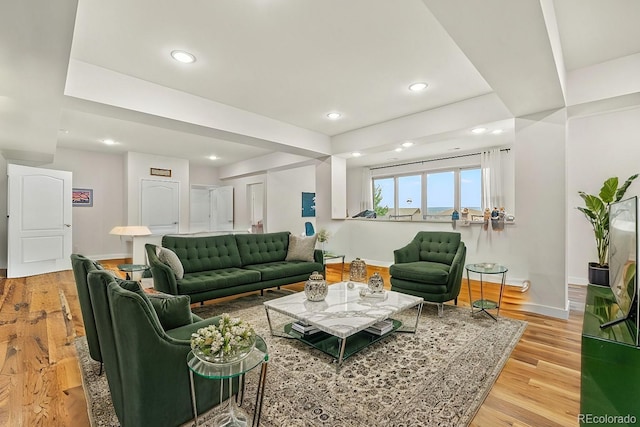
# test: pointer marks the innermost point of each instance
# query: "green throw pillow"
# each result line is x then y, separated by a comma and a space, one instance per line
172, 310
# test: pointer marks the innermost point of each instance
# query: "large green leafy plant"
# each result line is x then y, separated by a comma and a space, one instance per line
596, 210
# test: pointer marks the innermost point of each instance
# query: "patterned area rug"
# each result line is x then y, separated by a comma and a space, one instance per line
437, 377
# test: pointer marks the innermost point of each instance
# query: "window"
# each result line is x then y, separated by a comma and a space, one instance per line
429, 195
440, 193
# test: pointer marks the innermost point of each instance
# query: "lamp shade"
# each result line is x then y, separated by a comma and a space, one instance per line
131, 230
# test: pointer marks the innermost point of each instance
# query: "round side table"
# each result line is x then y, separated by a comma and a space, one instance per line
232, 415
129, 269
482, 305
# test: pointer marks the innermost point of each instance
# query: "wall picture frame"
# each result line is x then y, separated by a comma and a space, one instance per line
82, 197
160, 172
308, 204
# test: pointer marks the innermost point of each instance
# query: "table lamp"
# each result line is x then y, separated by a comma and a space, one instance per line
131, 230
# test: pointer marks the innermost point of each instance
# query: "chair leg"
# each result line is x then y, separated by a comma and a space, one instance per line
440, 309
101, 366
261, 292
455, 301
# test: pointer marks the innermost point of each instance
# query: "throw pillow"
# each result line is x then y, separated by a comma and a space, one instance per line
172, 310
301, 248
170, 258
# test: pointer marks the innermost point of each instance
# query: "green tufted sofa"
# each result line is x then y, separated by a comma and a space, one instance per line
430, 266
219, 266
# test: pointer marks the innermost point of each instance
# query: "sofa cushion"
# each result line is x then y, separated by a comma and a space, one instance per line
203, 281
301, 248
170, 258
421, 271
282, 269
262, 248
204, 253
172, 310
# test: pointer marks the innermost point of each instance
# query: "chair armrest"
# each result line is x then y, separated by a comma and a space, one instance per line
408, 253
457, 266
164, 279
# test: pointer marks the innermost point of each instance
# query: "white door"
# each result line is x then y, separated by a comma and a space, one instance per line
160, 206
39, 222
222, 208
199, 209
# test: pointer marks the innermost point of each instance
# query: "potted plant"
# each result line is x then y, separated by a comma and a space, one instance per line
596, 210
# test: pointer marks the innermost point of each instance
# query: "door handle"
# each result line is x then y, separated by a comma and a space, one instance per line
68, 225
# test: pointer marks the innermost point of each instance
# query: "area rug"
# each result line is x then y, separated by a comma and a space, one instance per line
437, 377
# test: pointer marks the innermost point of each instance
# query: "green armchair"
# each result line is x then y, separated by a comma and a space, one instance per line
430, 267
81, 266
146, 365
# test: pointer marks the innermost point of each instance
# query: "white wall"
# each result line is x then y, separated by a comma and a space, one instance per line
203, 175
104, 173
284, 198
599, 146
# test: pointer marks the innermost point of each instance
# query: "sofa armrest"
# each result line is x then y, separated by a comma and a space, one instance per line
408, 253
318, 256
164, 279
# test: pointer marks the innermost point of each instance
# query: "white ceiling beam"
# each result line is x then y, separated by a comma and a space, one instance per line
508, 43
93, 83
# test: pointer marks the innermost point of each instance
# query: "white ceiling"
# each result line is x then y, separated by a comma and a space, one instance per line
291, 61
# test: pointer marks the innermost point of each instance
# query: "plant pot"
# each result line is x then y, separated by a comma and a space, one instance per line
598, 275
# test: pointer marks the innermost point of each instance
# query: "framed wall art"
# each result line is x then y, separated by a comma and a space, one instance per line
82, 197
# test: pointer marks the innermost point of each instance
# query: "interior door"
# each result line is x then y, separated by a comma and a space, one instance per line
199, 209
160, 206
39, 232
222, 208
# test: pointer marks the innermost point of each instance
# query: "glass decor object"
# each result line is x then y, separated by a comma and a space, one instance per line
230, 341
316, 287
376, 283
358, 270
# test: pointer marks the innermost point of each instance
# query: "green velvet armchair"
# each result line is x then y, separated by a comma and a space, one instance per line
145, 365
430, 266
81, 266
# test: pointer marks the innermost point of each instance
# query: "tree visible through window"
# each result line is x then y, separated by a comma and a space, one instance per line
377, 199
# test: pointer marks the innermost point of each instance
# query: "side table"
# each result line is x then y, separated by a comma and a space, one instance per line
327, 256
129, 269
482, 305
232, 415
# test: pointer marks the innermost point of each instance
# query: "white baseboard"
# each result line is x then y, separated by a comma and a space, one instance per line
578, 280
546, 310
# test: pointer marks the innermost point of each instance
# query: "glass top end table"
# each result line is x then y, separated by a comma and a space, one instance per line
129, 269
233, 414
482, 305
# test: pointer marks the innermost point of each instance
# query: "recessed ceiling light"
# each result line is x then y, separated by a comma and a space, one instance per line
356, 154
213, 157
417, 87
182, 56
478, 131
63, 130
497, 131
407, 144
397, 150
109, 142
334, 115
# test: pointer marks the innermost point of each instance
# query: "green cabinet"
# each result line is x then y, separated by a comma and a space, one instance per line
610, 380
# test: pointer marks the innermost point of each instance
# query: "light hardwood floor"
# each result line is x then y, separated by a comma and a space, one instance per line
40, 382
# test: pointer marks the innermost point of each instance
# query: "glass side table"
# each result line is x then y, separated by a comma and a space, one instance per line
232, 414
129, 269
482, 305
326, 256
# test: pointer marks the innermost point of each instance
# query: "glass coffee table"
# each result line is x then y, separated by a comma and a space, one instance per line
482, 305
232, 414
342, 317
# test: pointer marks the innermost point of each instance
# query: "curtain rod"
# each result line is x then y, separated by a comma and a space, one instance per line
432, 160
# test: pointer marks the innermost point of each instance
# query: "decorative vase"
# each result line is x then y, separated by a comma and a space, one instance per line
358, 270
316, 287
376, 283
236, 355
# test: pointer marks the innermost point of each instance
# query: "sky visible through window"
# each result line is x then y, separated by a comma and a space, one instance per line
440, 191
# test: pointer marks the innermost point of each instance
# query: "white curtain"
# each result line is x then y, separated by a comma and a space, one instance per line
491, 164
366, 201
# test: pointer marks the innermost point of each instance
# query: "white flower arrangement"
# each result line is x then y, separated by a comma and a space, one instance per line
230, 338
